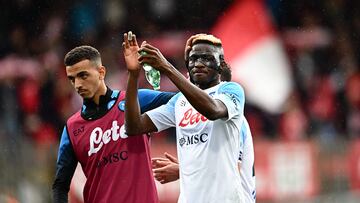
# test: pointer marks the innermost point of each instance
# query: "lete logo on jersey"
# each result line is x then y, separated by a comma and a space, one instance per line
98, 137
191, 117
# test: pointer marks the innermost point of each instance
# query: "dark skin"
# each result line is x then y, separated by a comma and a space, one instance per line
205, 77
203, 62
167, 169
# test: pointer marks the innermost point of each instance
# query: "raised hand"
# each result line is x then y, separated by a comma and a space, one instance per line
165, 169
154, 58
130, 50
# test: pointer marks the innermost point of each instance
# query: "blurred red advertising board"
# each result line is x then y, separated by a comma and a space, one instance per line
354, 165
286, 170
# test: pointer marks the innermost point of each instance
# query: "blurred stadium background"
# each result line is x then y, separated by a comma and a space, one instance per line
297, 60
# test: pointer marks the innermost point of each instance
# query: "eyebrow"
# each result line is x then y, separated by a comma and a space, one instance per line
78, 74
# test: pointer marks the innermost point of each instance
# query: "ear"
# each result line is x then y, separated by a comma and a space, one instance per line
102, 72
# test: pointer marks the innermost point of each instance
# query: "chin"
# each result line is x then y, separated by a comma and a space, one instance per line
198, 80
200, 83
85, 96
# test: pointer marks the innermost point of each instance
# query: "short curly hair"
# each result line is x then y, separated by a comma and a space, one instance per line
207, 38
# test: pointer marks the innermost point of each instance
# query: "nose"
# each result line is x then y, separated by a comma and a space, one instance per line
199, 63
77, 83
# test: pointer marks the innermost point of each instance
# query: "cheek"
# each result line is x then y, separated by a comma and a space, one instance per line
92, 83
213, 73
212, 65
190, 67
95, 83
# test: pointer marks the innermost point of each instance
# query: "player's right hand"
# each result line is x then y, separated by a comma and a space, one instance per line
130, 49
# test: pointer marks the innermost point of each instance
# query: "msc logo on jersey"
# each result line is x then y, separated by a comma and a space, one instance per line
193, 139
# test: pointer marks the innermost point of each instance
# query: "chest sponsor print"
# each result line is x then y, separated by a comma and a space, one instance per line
191, 117
100, 137
193, 139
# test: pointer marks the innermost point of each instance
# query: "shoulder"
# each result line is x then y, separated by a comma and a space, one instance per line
230, 86
170, 105
176, 97
147, 93
150, 99
74, 117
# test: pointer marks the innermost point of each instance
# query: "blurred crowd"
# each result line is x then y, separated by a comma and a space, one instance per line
322, 40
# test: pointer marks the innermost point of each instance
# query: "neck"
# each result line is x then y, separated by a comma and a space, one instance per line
208, 85
101, 91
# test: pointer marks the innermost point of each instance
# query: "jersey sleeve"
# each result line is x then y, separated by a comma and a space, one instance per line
163, 117
232, 95
151, 99
242, 137
65, 168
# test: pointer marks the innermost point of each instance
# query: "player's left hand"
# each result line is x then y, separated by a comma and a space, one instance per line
154, 58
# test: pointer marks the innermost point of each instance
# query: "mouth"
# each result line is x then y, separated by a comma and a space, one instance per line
81, 92
199, 72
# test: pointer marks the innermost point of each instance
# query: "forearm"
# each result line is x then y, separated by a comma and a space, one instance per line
60, 195
65, 168
61, 185
135, 122
132, 107
200, 100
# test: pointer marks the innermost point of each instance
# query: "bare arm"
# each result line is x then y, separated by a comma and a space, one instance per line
211, 108
135, 123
